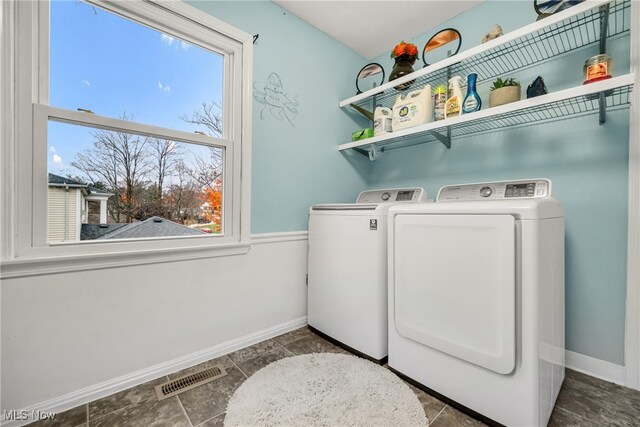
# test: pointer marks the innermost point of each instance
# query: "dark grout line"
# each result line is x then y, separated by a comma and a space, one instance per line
89, 420
286, 348
166, 378
270, 339
296, 340
236, 365
290, 353
184, 411
209, 419
437, 415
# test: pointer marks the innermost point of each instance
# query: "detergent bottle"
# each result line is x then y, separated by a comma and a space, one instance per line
413, 109
472, 101
453, 107
439, 101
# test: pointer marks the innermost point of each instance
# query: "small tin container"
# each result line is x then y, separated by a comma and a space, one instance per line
596, 68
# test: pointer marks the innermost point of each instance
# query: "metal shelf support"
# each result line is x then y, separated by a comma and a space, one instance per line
604, 23
361, 151
445, 139
368, 114
375, 153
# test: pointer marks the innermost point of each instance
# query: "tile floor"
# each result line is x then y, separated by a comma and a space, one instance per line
583, 401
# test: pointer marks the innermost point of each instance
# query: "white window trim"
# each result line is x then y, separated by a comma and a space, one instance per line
22, 88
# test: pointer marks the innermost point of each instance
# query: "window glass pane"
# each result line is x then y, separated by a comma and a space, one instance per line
118, 68
105, 185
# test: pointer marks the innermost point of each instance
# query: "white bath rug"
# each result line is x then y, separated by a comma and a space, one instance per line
324, 389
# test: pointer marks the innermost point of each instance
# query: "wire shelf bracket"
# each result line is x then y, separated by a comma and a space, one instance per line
604, 24
445, 139
375, 152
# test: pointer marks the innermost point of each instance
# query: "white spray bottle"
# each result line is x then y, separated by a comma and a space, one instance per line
453, 106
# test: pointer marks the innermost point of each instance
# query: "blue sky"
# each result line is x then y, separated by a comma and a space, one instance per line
112, 66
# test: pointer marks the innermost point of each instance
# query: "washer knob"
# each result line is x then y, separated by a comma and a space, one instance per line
486, 191
386, 196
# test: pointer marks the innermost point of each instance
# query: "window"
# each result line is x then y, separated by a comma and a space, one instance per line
138, 186
132, 129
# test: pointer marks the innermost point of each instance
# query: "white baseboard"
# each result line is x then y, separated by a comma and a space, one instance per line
89, 394
595, 367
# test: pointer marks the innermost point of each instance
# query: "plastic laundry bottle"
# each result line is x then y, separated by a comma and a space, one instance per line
381, 120
439, 101
413, 109
453, 107
472, 101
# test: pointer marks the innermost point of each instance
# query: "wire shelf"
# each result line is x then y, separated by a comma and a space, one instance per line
538, 43
570, 103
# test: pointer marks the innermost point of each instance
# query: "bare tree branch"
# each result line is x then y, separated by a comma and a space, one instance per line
207, 170
209, 116
165, 155
118, 159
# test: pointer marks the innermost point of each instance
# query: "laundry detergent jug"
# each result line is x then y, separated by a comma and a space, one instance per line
413, 109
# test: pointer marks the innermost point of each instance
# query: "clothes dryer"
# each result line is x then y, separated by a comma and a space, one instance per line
476, 298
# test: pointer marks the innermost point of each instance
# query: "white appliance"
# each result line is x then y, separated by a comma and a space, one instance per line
347, 292
476, 298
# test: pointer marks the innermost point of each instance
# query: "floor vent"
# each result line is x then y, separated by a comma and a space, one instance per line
187, 382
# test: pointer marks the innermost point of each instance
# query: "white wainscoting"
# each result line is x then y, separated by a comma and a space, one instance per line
595, 367
70, 338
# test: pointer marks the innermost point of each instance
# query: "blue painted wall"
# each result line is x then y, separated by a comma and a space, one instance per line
297, 166
587, 163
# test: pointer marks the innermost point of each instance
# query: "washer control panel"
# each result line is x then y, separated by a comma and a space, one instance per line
500, 190
394, 195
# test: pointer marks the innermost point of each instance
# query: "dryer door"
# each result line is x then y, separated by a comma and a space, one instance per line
454, 285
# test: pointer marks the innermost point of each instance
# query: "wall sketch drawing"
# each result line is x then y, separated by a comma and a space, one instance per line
273, 98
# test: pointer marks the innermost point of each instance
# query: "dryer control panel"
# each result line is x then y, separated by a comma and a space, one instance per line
500, 190
393, 195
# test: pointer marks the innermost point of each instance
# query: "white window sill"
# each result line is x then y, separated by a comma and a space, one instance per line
25, 267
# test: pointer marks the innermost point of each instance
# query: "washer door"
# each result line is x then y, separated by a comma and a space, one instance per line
454, 285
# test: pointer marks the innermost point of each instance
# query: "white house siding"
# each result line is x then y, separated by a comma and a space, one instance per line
57, 223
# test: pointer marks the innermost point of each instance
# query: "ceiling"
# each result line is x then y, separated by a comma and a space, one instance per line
375, 27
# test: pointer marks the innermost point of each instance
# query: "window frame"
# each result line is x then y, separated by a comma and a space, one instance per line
27, 79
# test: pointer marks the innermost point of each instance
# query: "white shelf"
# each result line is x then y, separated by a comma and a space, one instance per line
572, 102
571, 29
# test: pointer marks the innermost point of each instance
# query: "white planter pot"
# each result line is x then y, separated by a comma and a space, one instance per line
504, 95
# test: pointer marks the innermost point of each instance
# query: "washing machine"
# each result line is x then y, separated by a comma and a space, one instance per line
347, 282
476, 298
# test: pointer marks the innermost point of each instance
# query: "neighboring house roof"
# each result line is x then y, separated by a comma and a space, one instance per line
96, 231
63, 181
97, 191
151, 227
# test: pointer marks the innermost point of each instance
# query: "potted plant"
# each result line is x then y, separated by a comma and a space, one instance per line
504, 92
